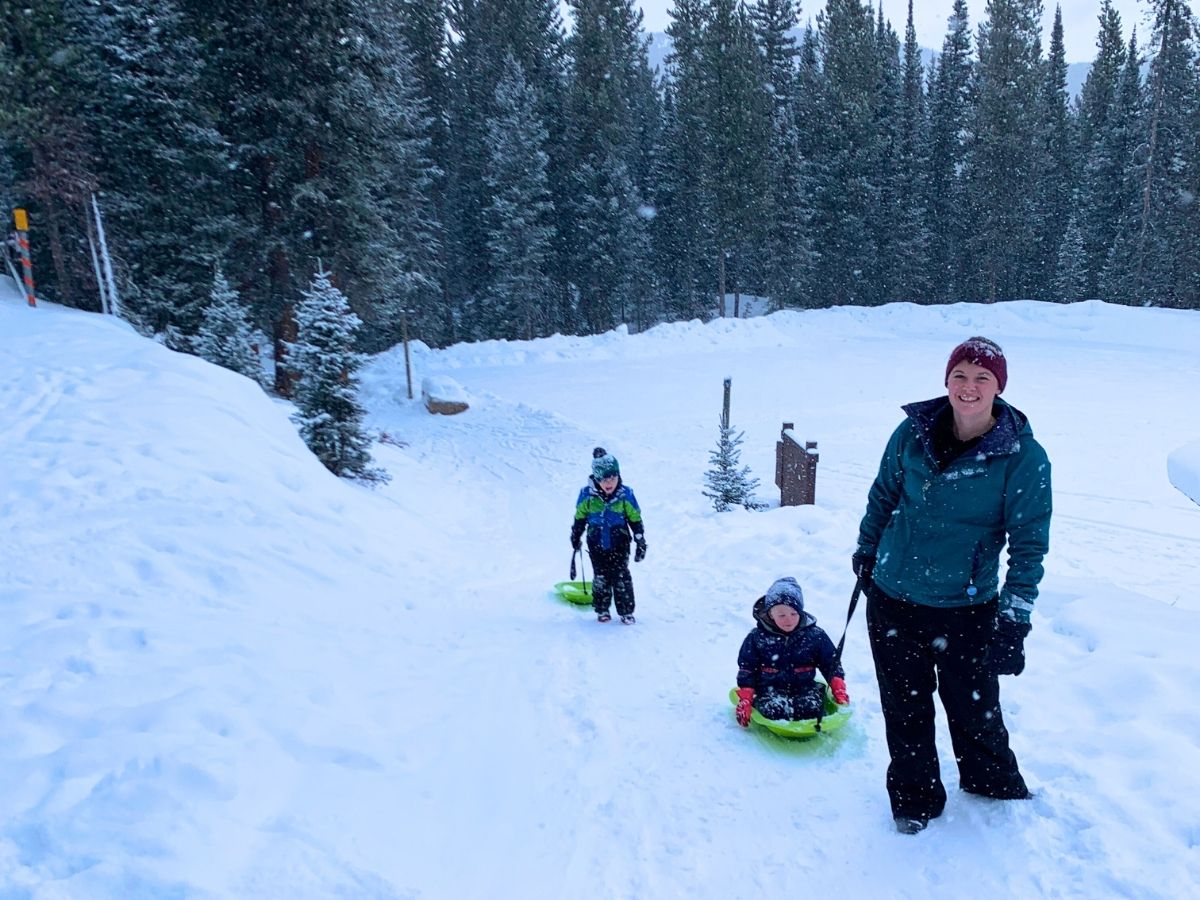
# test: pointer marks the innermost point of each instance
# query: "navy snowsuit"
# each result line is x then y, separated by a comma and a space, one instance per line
782, 667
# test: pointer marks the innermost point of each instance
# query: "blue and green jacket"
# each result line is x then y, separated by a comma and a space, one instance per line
608, 518
937, 531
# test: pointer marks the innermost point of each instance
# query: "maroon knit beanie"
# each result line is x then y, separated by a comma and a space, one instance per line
981, 352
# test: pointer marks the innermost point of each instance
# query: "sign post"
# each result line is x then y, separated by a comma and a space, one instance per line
21, 221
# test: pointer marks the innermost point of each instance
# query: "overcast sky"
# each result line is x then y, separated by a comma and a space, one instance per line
1080, 20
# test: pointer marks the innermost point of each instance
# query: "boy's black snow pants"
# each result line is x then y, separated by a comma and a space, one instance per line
612, 583
920, 649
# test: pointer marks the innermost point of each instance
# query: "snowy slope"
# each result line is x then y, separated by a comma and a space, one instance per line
229, 674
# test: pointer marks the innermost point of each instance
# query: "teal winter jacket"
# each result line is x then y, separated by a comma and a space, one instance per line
936, 535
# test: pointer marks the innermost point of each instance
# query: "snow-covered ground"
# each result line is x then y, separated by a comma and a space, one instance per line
226, 673
1183, 468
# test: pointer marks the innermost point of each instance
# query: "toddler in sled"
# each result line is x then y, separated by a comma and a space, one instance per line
779, 659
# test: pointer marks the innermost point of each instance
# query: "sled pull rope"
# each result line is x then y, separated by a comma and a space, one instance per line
837, 656
858, 587
582, 571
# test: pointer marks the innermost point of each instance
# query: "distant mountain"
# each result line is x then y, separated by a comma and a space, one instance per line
660, 46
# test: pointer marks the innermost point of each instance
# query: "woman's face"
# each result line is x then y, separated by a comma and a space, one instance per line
785, 618
971, 390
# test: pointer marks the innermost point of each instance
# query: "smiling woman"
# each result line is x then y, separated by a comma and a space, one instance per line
961, 476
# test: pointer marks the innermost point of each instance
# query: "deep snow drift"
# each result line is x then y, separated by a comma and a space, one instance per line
228, 674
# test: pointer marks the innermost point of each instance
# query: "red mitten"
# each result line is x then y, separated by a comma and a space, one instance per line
745, 699
837, 687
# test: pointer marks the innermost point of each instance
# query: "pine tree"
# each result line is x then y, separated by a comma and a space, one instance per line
910, 268
519, 231
225, 336
1152, 261
1070, 280
606, 55
949, 112
161, 161
1002, 152
786, 250
1109, 105
738, 128
327, 407
531, 32
1100, 87
887, 234
845, 188
1055, 168
389, 255
681, 231
729, 483
53, 159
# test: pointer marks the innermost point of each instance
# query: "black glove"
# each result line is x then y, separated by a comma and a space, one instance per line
863, 565
640, 553
1006, 655
576, 539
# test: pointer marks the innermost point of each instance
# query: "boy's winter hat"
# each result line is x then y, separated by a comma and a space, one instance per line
981, 352
787, 592
604, 464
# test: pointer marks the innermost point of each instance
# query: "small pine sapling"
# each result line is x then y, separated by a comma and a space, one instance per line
728, 483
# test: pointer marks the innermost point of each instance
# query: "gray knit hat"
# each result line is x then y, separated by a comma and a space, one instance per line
787, 592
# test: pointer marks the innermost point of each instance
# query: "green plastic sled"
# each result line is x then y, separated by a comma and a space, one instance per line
577, 592
835, 717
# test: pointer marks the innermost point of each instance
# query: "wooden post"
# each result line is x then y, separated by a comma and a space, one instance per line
721, 283
21, 220
404, 337
725, 405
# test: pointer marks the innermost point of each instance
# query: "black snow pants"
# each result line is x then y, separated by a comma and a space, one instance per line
799, 703
612, 583
920, 649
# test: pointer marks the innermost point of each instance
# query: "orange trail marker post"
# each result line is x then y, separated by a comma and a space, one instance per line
21, 221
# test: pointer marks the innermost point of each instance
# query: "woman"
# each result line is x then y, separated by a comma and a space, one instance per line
960, 477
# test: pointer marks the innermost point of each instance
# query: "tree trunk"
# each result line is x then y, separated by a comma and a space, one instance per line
721, 283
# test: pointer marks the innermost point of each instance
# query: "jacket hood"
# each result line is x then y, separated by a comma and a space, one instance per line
766, 624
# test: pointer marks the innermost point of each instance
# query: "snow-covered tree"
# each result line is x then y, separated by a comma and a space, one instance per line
1056, 168
1070, 279
225, 336
328, 411
729, 483
519, 234
160, 158
1002, 152
949, 113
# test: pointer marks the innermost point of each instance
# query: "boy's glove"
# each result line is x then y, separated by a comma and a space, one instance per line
745, 701
1006, 655
837, 687
863, 565
576, 540
640, 553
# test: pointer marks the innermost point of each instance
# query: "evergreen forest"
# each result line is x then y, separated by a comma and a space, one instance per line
478, 169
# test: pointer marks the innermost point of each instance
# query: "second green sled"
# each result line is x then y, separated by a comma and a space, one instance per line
577, 592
